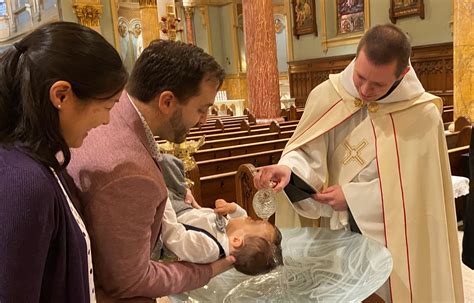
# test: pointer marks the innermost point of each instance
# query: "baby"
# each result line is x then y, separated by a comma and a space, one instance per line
203, 235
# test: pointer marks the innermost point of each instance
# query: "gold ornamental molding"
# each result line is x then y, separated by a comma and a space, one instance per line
189, 11
88, 14
147, 3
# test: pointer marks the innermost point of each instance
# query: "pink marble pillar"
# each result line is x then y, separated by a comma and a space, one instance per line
262, 70
188, 15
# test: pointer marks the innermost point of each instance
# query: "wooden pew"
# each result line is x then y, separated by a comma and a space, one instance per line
246, 139
232, 163
461, 122
295, 112
448, 114
459, 138
222, 185
221, 127
446, 125
452, 139
464, 136
458, 161
214, 131
285, 114
231, 133
235, 150
221, 136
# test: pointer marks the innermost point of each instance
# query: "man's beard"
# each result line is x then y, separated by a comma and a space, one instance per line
177, 125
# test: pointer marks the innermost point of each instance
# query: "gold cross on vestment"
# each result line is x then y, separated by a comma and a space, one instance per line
354, 152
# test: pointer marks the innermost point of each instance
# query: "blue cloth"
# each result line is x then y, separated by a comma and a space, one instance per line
43, 255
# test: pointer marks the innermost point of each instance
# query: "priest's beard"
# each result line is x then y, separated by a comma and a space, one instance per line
179, 129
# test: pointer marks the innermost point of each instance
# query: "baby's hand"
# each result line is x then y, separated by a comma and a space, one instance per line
223, 208
189, 199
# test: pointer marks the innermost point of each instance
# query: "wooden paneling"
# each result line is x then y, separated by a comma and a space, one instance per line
433, 65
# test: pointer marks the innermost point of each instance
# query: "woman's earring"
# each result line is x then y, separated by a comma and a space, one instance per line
59, 106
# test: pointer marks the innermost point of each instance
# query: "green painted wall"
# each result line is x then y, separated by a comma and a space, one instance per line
106, 24
66, 11
221, 36
433, 29
228, 50
200, 32
216, 41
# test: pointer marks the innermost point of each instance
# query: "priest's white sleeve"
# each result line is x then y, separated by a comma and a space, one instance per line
187, 245
310, 162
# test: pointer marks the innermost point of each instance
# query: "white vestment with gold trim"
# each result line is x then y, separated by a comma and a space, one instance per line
390, 159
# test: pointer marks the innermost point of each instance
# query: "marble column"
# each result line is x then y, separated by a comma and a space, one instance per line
262, 70
150, 24
463, 23
188, 15
88, 13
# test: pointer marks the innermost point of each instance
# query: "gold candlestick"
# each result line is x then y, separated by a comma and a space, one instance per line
184, 151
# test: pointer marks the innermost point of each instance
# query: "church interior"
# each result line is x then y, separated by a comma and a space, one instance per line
274, 52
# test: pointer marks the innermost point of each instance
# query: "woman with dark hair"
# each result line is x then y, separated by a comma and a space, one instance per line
56, 84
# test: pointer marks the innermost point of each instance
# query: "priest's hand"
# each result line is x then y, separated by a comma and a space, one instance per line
334, 197
279, 174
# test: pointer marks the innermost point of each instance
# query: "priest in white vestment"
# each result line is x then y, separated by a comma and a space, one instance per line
371, 140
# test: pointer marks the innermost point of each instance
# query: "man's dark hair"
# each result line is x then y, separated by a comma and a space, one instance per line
383, 44
57, 51
258, 255
174, 66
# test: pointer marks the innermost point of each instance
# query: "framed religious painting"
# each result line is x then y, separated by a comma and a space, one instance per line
350, 16
304, 17
405, 8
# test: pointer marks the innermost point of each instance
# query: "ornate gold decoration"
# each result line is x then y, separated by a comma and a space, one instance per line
184, 151
189, 11
169, 23
122, 27
136, 29
147, 3
88, 14
278, 25
354, 152
358, 103
373, 107
204, 16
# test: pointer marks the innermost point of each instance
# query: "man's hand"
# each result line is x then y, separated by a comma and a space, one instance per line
334, 197
222, 265
189, 199
223, 208
280, 174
